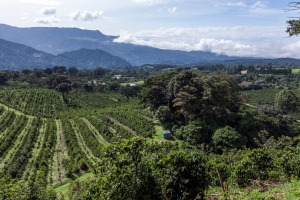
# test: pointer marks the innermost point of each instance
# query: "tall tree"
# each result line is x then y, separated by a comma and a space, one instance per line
287, 101
64, 88
3, 78
294, 25
73, 71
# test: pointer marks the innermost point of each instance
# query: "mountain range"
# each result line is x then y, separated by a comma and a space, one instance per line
39, 47
15, 56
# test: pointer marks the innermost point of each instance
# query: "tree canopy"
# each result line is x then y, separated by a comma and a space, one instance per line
293, 25
287, 101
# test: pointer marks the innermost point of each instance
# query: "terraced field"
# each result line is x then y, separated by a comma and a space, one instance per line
44, 142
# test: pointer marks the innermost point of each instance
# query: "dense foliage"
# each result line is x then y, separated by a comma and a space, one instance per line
137, 170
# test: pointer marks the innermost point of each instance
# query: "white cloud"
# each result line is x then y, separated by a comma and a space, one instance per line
255, 5
221, 46
254, 41
42, 2
48, 11
172, 10
46, 20
149, 2
237, 4
258, 4
86, 15
291, 50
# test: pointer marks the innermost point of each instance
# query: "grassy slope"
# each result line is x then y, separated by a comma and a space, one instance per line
65, 187
287, 191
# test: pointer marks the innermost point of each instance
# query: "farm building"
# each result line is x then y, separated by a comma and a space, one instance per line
167, 134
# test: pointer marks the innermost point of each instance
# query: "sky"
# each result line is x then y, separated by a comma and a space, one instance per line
253, 28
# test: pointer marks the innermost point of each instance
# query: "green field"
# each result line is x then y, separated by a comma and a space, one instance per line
134, 83
295, 71
265, 96
63, 189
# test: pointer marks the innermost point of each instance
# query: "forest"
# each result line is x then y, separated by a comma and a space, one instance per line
98, 133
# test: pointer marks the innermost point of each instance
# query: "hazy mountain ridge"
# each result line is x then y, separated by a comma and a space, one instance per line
14, 56
90, 58
60, 40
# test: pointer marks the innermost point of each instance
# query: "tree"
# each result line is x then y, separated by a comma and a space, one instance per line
88, 87
164, 115
73, 71
61, 79
187, 102
221, 95
98, 72
48, 71
227, 137
287, 101
195, 133
114, 87
59, 69
64, 88
129, 91
154, 91
3, 78
38, 73
293, 28
178, 82
26, 71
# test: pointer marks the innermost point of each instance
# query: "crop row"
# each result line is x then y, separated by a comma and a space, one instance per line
43, 103
135, 120
41, 166
89, 137
17, 163
78, 159
11, 133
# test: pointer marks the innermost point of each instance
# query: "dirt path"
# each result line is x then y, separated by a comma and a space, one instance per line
57, 168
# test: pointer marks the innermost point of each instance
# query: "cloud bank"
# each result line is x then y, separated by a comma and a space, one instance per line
233, 41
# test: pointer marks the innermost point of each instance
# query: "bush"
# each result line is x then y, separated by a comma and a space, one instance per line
259, 164
290, 160
185, 175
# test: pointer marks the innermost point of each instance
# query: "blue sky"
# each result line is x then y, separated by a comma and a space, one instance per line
232, 27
